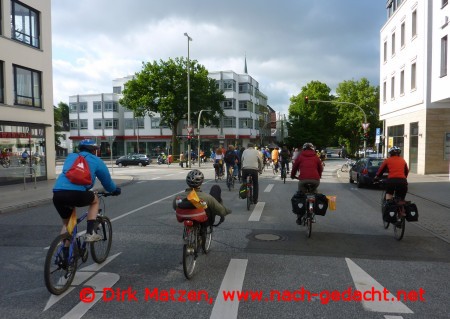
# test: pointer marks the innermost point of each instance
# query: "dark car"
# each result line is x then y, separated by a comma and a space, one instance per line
364, 170
133, 159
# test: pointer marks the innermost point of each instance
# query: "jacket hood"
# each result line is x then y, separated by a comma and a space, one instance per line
308, 153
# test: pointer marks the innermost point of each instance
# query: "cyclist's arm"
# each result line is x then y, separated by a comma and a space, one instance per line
382, 169
103, 175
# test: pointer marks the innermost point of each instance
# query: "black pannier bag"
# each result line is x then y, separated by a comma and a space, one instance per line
390, 212
321, 204
299, 203
412, 214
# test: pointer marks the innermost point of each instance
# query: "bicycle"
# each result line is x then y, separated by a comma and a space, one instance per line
309, 217
275, 167
283, 173
397, 215
347, 165
61, 264
5, 162
249, 186
217, 172
230, 178
197, 232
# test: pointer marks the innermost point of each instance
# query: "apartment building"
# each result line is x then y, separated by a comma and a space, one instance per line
414, 82
100, 116
26, 90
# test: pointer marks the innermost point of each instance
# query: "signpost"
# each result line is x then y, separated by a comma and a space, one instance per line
111, 140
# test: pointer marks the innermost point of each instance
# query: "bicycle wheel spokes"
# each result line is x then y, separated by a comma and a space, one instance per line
58, 272
383, 202
189, 252
100, 249
206, 238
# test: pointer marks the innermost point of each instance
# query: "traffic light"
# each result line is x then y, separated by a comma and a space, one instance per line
306, 100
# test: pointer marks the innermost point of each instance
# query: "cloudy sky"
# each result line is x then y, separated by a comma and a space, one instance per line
288, 43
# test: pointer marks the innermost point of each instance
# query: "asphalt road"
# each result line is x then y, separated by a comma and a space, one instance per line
268, 257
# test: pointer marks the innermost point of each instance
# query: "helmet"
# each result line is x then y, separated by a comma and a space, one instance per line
194, 178
88, 145
395, 150
308, 146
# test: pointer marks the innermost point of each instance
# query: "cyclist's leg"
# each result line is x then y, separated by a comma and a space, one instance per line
255, 174
390, 189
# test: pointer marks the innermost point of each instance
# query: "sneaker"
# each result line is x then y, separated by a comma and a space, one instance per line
93, 237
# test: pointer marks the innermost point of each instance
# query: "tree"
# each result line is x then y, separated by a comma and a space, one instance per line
314, 121
61, 120
162, 88
350, 118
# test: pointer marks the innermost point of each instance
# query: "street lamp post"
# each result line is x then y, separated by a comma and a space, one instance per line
349, 103
189, 99
198, 130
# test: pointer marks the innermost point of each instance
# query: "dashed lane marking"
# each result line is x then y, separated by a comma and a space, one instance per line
257, 212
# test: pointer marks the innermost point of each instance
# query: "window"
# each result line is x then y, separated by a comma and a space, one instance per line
393, 44
229, 85
402, 82
72, 107
414, 24
402, 35
385, 51
229, 104
97, 124
27, 87
2, 87
229, 122
413, 76
245, 106
117, 89
154, 122
111, 123
84, 124
24, 24
444, 56
73, 124
393, 87
384, 91
97, 106
134, 123
111, 106
83, 107
245, 123
245, 88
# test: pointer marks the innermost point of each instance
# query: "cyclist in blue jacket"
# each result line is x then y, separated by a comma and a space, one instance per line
67, 195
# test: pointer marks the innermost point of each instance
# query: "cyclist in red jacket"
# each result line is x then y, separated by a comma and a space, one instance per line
310, 167
397, 174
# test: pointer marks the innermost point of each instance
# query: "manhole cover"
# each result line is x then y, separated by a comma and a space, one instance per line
267, 237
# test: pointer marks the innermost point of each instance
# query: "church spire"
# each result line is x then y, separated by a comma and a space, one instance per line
245, 67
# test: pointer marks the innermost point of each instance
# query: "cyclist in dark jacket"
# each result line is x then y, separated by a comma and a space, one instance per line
397, 174
67, 195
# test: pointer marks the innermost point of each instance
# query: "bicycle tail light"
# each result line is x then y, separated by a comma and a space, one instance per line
188, 223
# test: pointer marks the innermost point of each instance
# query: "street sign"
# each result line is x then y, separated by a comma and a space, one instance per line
365, 126
377, 131
189, 129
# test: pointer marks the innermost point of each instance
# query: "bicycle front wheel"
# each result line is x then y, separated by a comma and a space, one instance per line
189, 252
383, 201
399, 229
100, 249
206, 239
58, 271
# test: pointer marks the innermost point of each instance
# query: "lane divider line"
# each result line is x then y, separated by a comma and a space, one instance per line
257, 212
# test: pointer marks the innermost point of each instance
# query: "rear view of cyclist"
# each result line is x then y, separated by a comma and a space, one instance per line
251, 165
67, 195
397, 174
310, 168
285, 158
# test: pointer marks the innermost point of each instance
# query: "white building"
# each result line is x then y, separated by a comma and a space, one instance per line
99, 116
414, 82
26, 88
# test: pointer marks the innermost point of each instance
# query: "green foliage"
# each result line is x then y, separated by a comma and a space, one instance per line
61, 120
331, 123
162, 88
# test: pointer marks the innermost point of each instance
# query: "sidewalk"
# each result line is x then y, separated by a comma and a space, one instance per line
19, 196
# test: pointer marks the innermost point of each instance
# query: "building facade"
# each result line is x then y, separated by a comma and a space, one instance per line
100, 116
26, 91
414, 82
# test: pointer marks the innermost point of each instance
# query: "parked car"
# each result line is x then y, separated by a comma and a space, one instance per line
133, 159
364, 170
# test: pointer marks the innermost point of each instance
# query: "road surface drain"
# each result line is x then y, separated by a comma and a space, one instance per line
267, 237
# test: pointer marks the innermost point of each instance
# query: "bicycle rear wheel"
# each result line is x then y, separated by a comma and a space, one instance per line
100, 249
58, 272
229, 181
249, 197
399, 229
206, 238
383, 201
308, 224
189, 252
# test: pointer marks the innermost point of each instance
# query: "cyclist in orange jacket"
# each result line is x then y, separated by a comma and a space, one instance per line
397, 174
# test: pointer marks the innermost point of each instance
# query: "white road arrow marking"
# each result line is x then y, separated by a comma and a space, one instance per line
364, 282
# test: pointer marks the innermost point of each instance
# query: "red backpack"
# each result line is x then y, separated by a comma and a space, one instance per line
79, 172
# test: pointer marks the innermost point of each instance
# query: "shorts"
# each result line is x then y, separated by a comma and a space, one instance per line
65, 201
397, 185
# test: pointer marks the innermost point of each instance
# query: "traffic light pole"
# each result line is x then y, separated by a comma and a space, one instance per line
348, 103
